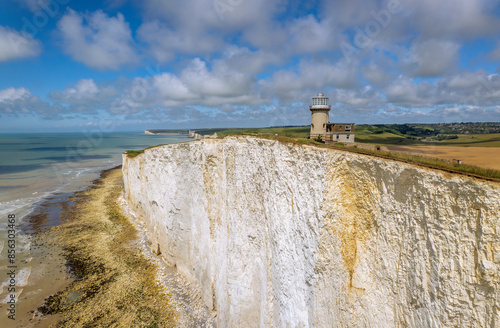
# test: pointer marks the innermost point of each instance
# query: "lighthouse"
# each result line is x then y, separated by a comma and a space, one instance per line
319, 115
320, 125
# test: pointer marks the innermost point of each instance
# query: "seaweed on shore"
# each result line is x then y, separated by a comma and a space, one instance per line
115, 285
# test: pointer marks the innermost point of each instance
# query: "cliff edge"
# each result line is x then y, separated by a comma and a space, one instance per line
286, 235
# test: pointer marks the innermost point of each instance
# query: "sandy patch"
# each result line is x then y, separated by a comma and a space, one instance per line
40, 268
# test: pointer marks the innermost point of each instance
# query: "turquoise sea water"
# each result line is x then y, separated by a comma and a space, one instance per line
36, 167
32, 166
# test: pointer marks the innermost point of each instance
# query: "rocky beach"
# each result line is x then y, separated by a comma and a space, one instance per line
92, 266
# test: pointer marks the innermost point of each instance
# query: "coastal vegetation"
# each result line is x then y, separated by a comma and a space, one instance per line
443, 134
427, 161
432, 135
163, 131
134, 153
428, 134
115, 284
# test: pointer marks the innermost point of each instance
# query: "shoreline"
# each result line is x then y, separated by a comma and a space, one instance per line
43, 269
113, 283
58, 285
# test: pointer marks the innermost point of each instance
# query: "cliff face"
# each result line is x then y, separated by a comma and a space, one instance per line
296, 236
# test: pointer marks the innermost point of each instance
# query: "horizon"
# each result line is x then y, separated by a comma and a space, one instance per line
228, 127
73, 66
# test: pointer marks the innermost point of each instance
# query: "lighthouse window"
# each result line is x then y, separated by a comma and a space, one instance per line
338, 136
324, 124
348, 128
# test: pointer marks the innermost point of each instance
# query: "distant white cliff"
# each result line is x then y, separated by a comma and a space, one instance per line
281, 235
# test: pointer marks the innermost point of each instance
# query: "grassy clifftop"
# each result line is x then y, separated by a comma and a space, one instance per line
453, 134
391, 134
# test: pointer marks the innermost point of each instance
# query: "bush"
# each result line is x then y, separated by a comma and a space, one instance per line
319, 139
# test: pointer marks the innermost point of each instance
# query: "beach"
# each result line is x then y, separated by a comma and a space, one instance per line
41, 269
42, 177
94, 267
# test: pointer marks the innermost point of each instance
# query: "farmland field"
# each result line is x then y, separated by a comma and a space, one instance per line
478, 149
485, 156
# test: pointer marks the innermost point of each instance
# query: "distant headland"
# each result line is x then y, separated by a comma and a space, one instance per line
165, 132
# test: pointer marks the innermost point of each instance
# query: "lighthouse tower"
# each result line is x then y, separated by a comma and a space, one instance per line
319, 115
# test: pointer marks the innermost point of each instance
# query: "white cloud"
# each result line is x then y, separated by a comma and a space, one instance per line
12, 95
165, 43
14, 44
97, 40
252, 62
15, 101
358, 98
85, 92
464, 80
433, 57
195, 85
309, 35
403, 90
428, 18
460, 19
220, 82
199, 27
171, 88
376, 74
199, 15
310, 76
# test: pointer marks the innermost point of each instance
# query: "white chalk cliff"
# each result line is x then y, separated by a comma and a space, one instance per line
282, 235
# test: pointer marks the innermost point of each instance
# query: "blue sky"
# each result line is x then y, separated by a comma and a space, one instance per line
70, 65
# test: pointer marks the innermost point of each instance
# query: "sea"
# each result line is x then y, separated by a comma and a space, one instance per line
34, 167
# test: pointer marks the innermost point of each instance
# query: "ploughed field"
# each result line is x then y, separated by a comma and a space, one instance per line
487, 157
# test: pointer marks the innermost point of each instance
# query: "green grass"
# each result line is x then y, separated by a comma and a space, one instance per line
376, 134
385, 138
431, 162
134, 153
292, 131
472, 140
372, 134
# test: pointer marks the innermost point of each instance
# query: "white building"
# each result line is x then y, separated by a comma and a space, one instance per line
320, 125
